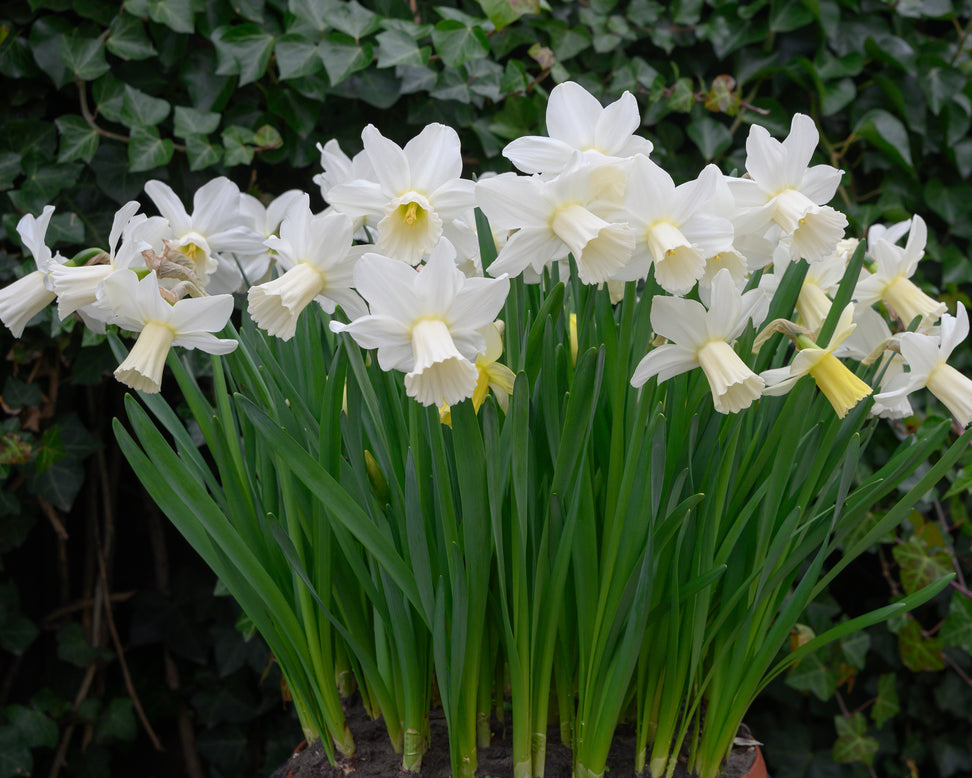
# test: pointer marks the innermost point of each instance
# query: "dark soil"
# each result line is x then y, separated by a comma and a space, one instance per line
374, 757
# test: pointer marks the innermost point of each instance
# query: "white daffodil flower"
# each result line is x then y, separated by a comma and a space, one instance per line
138, 306
782, 189
28, 296
339, 168
840, 386
672, 230
577, 122
887, 403
77, 287
891, 282
821, 281
492, 375
703, 338
927, 356
891, 233
265, 221
426, 323
556, 217
415, 190
215, 227
318, 259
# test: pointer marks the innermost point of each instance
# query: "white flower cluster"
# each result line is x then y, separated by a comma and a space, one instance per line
397, 250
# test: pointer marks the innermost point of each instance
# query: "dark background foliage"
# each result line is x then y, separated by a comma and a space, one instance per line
114, 639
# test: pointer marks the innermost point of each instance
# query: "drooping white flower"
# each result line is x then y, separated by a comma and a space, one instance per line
213, 231
317, 258
492, 375
822, 279
77, 286
426, 323
782, 189
891, 280
137, 306
415, 190
887, 404
703, 338
29, 295
556, 217
926, 357
577, 122
673, 231
839, 385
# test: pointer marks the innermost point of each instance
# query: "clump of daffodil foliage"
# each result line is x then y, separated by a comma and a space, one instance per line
616, 534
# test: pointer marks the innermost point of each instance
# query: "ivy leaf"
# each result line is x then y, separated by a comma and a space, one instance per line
73, 647
398, 48
46, 42
312, 12
888, 134
920, 565
886, 704
201, 152
837, 95
78, 139
353, 19
855, 647
682, 97
243, 49
15, 757
17, 634
504, 12
568, 42
9, 168
940, 85
267, 137
711, 137
722, 97
35, 728
117, 722
127, 38
957, 630
146, 150
85, 57
174, 14
918, 652
342, 56
542, 55
191, 121
812, 675
235, 142
296, 56
852, 745
456, 43
142, 110
109, 93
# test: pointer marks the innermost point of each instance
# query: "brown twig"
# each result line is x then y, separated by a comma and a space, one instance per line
119, 650
961, 673
886, 572
413, 4
62, 747
51, 513
83, 604
89, 118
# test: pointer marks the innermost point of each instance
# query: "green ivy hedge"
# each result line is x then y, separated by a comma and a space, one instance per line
99, 97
